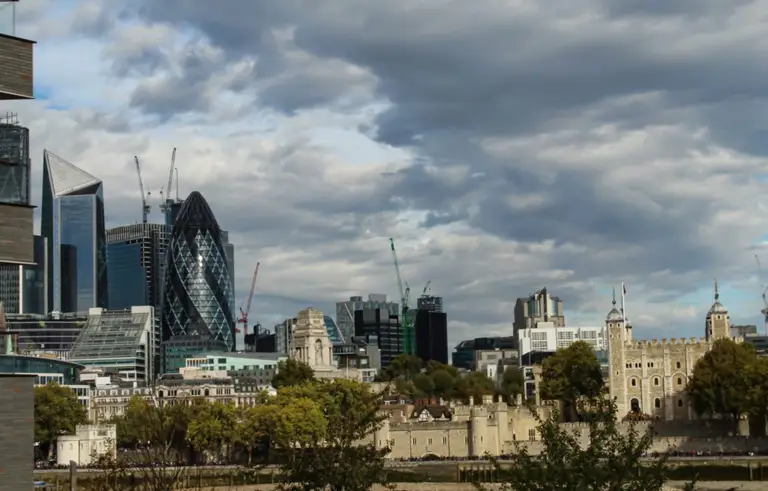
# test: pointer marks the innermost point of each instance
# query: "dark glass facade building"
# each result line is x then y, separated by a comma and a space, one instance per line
22, 286
432, 336
384, 327
73, 215
136, 255
333, 330
197, 288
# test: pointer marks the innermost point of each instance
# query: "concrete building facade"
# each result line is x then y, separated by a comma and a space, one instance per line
17, 443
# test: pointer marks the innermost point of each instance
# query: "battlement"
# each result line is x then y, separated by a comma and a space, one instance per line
646, 343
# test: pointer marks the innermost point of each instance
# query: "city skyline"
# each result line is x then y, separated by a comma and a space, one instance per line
537, 173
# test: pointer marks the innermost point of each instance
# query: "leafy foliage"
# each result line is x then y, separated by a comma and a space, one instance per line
723, 382
292, 372
612, 459
572, 374
327, 425
412, 379
57, 412
512, 383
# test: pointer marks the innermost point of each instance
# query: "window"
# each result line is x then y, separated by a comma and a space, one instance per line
657, 403
414, 441
429, 441
678, 365
445, 440
679, 403
679, 380
650, 364
532, 434
655, 380
633, 382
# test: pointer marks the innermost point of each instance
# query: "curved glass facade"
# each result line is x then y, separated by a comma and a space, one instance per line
197, 285
35, 365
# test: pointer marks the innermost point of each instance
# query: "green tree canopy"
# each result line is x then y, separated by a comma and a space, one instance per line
475, 385
213, 427
335, 419
571, 374
402, 366
292, 372
612, 459
512, 383
57, 412
720, 384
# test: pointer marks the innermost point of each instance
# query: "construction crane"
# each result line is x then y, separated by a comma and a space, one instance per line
405, 318
425, 291
764, 291
165, 206
244, 313
145, 208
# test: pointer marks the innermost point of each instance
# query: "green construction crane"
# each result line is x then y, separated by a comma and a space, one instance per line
409, 339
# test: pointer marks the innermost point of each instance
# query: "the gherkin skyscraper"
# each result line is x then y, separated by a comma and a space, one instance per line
197, 279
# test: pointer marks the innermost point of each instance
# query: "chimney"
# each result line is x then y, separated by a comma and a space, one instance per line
471, 401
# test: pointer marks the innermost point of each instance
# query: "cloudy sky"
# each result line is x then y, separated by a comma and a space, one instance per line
506, 145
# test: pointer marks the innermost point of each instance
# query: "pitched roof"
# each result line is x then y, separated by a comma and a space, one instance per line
65, 177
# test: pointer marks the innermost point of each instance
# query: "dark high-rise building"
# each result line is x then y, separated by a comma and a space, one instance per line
22, 286
73, 215
136, 255
16, 213
432, 336
197, 283
539, 307
386, 329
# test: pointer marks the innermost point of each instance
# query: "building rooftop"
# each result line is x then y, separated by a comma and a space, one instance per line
111, 334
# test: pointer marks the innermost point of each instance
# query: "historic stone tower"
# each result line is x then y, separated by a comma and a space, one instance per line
717, 324
619, 332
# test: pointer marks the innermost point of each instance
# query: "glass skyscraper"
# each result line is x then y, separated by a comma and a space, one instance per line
197, 287
136, 255
73, 222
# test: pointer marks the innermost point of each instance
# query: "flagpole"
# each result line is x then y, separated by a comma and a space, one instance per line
623, 309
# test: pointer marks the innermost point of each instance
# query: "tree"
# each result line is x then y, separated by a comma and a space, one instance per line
512, 383
57, 412
612, 459
424, 384
253, 427
292, 372
213, 428
405, 366
444, 383
720, 382
337, 453
572, 374
757, 396
474, 385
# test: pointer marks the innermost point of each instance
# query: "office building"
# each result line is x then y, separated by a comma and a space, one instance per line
385, 328
197, 285
431, 329
260, 341
284, 334
136, 255
23, 286
334, 333
463, 355
176, 350
121, 342
49, 336
549, 338
345, 311
229, 251
73, 215
538, 307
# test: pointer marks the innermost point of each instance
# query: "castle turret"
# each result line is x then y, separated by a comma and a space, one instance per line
717, 324
618, 333
478, 431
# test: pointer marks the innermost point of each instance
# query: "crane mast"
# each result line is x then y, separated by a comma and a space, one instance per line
405, 319
145, 208
165, 206
244, 313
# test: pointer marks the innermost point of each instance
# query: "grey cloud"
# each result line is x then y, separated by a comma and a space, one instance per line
455, 75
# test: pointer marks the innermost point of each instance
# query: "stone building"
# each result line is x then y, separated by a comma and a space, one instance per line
456, 431
650, 375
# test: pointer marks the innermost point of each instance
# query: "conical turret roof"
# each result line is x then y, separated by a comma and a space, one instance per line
196, 214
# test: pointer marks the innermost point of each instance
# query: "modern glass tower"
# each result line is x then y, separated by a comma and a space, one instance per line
197, 290
73, 222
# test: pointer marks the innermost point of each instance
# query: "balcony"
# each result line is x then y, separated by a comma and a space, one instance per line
16, 68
